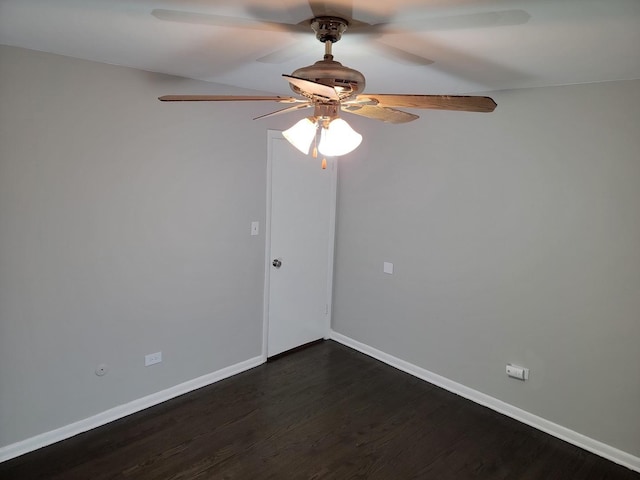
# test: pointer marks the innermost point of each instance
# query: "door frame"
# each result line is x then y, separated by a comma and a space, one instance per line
333, 167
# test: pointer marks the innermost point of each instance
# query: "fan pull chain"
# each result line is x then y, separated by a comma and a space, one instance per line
314, 154
324, 163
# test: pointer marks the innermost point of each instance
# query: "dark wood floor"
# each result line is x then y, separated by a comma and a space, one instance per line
323, 412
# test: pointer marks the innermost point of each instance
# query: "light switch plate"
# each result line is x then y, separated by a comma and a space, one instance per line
387, 268
255, 228
152, 359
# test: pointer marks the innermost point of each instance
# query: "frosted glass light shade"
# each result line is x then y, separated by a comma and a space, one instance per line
301, 135
338, 139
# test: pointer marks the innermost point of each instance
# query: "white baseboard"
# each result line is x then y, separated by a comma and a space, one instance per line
575, 438
25, 446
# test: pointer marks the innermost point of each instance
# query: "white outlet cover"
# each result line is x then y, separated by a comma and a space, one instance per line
515, 371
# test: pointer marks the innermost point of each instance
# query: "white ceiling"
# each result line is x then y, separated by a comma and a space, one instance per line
529, 43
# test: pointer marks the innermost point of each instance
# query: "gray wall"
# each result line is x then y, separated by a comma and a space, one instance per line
124, 230
515, 238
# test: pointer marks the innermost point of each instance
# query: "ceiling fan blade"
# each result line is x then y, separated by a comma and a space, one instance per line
399, 55
452, 22
386, 114
283, 55
342, 9
300, 106
224, 21
313, 88
438, 102
226, 98
472, 20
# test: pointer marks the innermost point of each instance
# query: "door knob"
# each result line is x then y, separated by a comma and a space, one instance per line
277, 263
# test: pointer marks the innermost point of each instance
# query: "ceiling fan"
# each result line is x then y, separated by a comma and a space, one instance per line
329, 87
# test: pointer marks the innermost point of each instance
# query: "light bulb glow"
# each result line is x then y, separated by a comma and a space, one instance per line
338, 139
301, 135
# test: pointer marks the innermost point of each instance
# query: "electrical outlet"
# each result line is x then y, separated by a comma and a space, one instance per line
152, 359
514, 371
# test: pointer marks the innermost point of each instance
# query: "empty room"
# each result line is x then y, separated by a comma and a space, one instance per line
319, 239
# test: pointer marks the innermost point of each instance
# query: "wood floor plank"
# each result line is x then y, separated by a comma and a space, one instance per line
325, 412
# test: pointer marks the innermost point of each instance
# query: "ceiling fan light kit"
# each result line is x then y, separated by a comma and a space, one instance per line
336, 136
328, 87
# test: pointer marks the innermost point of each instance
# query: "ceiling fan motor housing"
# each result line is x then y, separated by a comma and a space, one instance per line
346, 80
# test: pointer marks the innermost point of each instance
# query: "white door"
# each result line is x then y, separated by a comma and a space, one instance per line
300, 234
